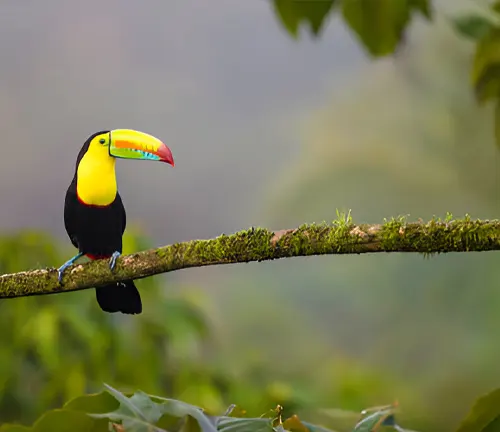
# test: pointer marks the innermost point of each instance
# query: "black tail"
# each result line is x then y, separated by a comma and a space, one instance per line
119, 297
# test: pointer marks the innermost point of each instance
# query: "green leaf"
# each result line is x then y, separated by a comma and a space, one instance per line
62, 420
127, 406
379, 24
140, 413
485, 74
137, 413
235, 424
181, 409
293, 12
93, 403
474, 27
484, 414
151, 410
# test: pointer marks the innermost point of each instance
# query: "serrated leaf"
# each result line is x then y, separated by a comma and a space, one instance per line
483, 413
93, 403
127, 407
151, 410
63, 420
294, 12
474, 27
485, 74
137, 413
379, 24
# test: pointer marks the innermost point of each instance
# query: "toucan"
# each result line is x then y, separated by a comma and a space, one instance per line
94, 215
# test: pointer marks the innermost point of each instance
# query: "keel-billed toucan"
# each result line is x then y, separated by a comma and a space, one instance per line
94, 215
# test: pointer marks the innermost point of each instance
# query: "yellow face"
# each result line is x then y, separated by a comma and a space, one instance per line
100, 143
98, 147
96, 178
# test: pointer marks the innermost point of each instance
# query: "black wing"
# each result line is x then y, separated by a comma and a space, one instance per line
118, 202
70, 216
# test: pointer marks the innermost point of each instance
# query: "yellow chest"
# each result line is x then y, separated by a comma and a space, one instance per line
96, 179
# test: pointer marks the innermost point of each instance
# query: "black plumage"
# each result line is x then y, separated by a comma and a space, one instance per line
96, 231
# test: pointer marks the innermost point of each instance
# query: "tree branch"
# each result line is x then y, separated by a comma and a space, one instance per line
258, 244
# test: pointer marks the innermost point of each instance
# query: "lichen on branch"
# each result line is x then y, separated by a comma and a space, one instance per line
259, 244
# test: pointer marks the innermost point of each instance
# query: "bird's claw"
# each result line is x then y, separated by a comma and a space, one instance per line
68, 263
112, 261
60, 272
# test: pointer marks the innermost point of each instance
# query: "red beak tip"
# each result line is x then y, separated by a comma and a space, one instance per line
166, 155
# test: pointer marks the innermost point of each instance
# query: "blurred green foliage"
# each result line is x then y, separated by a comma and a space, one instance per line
380, 25
484, 416
55, 347
140, 412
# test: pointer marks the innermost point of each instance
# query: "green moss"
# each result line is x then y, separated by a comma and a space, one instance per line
438, 236
245, 245
338, 237
257, 244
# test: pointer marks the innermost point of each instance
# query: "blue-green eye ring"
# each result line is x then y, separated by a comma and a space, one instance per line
102, 141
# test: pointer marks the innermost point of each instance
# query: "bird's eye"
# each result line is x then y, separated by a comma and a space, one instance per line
102, 141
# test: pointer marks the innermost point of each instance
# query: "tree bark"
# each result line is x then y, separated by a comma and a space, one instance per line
259, 244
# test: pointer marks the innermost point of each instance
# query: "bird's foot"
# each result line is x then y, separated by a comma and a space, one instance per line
68, 263
112, 261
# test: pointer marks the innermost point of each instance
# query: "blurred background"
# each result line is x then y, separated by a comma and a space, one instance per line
266, 131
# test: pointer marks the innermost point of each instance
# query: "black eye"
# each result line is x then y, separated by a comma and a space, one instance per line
102, 140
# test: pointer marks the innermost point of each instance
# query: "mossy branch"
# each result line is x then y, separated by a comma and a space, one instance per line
259, 244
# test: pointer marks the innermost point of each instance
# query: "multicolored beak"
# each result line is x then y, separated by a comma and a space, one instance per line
131, 144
